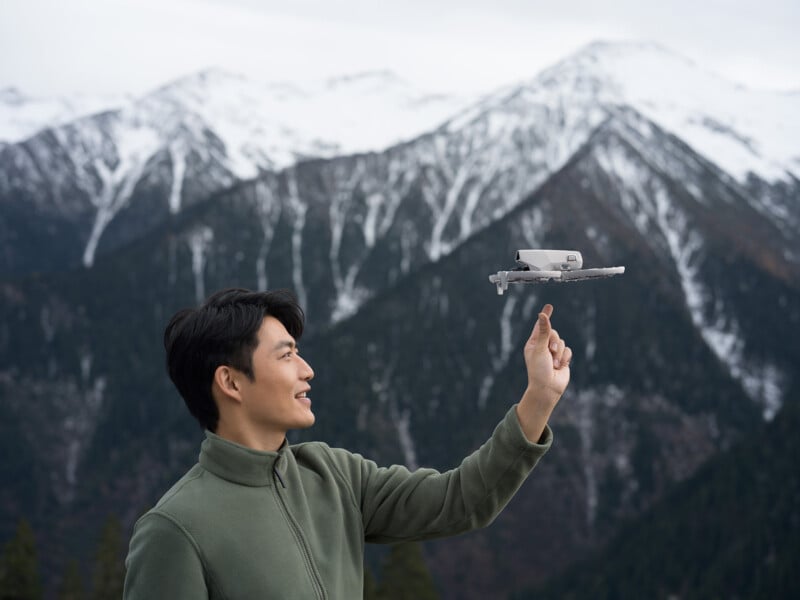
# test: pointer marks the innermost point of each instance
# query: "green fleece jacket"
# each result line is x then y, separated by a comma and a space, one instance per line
244, 524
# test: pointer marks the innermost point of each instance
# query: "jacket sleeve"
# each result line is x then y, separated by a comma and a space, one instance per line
163, 563
398, 505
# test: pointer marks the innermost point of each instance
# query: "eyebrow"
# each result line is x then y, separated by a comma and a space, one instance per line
284, 344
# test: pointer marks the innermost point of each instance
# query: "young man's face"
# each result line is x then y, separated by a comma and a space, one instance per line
276, 400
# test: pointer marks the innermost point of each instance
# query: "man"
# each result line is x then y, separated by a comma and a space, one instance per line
258, 518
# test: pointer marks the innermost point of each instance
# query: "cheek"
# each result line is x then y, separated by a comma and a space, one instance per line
282, 378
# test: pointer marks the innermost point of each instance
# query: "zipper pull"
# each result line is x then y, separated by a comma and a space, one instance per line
277, 474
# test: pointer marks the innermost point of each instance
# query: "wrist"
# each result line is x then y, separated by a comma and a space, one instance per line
540, 399
533, 413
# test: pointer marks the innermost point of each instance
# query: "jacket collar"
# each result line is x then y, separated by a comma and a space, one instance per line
242, 465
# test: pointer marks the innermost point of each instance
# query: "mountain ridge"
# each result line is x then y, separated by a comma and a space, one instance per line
212, 136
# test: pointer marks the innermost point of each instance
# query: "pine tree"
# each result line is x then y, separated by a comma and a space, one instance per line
19, 568
109, 569
71, 587
405, 575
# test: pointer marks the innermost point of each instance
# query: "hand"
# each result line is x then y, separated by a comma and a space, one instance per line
547, 359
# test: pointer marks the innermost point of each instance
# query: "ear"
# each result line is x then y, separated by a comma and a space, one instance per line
226, 383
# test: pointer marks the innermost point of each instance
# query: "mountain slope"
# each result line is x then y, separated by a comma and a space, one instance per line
652, 395
22, 116
742, 130
114, 175
100, 182
749, 134
731, 530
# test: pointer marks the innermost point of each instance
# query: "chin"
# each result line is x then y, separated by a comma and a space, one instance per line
307, 421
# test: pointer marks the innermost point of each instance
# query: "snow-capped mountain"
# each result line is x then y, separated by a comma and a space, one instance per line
202, 133
748, 134
739, 129
271, 126
430, 345
210, 130
389, 252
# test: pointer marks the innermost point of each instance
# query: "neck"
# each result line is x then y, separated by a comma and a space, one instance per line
255, 439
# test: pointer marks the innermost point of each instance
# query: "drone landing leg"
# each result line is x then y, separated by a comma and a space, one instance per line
502, 282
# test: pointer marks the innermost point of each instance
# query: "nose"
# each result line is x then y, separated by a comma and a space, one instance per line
306, 372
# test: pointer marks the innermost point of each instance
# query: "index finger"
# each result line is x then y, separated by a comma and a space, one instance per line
542, 328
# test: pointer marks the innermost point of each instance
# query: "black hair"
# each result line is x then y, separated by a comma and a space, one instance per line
223, 331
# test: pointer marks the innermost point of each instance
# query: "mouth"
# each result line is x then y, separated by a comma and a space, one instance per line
303, 395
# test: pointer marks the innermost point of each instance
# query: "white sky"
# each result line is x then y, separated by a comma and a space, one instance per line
64, 47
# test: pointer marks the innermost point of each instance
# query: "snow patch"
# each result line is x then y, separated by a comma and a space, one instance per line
199, 240
402, 423
500, 353
298, 209
78, 428
717, 325
269, 212
134, 148
177, 153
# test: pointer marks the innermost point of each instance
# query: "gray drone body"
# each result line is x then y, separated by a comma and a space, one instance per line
539, 266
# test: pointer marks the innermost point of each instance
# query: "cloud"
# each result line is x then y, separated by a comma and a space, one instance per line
465, 45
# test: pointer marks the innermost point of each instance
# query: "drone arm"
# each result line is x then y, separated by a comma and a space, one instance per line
503, 278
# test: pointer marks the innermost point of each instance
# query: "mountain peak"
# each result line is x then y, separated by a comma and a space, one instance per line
742, 130
208, 78
615, 63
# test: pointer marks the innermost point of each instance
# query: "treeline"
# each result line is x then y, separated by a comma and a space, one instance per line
20, 576
404, 575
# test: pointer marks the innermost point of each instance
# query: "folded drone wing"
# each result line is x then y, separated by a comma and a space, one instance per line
503, 278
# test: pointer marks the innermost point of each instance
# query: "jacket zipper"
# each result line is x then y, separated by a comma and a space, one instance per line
301, 542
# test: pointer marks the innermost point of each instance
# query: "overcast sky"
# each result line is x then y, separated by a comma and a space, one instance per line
62, 47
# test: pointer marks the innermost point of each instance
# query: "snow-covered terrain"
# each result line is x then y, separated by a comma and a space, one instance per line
262, 125
22, 116
225, 126
739, 129
272, 125
215, 128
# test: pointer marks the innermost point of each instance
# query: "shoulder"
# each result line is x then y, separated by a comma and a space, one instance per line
165, 515
185, 488
346, 468
323, 455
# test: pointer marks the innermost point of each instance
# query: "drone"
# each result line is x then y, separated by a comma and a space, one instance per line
540, 266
